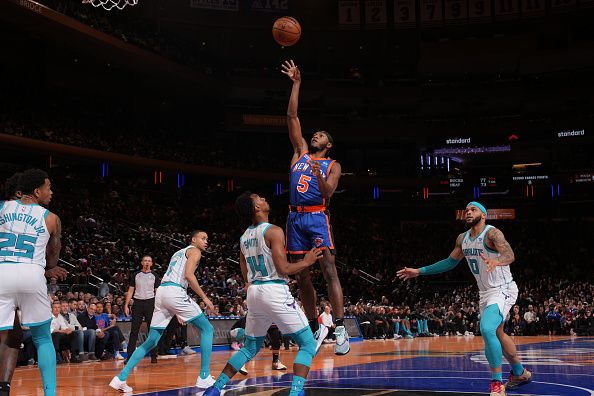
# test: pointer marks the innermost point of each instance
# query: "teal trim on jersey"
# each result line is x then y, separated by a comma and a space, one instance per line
36, 323
9, 262
266, 229
45, 214
172, 284
479, 234
254, 226
303, 330
487, 247
2, 204
24, 204
6, 328
264, 282
156, 328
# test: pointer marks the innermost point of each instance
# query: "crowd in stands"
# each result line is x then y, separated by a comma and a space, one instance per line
108, 225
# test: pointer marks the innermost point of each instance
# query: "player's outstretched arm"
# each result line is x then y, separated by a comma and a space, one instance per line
276, 238
445, 265
299, 145
194, 256
496, 240
54, 245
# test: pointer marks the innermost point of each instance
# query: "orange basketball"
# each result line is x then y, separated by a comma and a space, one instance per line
286, 31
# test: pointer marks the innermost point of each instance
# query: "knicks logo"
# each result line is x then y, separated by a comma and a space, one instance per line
318, 241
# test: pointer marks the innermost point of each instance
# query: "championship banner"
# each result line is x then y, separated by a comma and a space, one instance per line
221, 5
277, 6
492, 214
431, 12
559, 6
456, 11
376, 15
349, 14
264, 120
507, 9
479, 11
405, 14
533, 8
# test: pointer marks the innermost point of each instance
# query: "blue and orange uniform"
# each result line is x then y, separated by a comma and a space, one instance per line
308, 223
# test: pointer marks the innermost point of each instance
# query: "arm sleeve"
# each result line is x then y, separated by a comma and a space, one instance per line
441, 266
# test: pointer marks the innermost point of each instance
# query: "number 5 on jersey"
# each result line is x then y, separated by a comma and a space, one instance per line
303, 184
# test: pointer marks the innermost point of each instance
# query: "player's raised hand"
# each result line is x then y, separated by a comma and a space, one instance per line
315, 167
491, 263
290, 69
313, 255
408, 273
56, 272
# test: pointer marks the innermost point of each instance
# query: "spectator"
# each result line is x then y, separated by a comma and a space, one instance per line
325, 318
113, 335
94, 338
66, 340
554, 320
530, 318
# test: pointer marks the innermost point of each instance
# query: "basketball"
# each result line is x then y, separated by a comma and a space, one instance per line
286, 31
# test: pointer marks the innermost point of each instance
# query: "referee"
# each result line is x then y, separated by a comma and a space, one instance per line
142, 289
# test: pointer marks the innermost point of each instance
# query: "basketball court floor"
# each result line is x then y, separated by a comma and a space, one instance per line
423, 366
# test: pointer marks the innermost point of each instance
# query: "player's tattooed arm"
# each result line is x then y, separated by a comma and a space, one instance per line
457, 253
496, 240
54, 245
299, 145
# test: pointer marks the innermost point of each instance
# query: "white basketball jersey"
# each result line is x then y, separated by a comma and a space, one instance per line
23, 233
258, 256
177, 268
472, 249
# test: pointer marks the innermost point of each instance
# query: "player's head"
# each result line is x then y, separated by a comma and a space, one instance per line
35, 184
321, 142
11, 187
249, 205
146, 262
199, 239
475, 214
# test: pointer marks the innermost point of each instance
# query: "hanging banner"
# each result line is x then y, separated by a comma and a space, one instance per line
376, 15
405, 14
222, 5
349, 14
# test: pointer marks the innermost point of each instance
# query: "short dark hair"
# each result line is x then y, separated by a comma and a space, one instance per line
11, 186
244, 206
330, 139
32, 179
194, 233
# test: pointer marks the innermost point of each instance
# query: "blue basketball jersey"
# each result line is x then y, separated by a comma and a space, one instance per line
304, 184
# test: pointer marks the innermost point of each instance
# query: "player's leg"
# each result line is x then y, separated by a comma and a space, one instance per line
147, 312
491, 320
161, 318
519, 375
322, 237
275, 344
46, 355
297, 244
257, 325
10, 343
206, 338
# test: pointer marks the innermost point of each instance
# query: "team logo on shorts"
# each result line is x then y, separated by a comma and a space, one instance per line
318, 241
292, 305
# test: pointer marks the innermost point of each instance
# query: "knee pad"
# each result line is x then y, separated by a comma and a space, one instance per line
251, 346
153, 338
41, 334
490, 320
203, 324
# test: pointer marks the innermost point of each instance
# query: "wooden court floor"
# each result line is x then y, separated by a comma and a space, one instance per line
420, 366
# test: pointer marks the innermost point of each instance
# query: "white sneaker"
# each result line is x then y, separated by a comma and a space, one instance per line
459, 334
320, 335
397, 337
278, 365
120, 385
243, 370
203, 383
342, 346
118, 356
188, 351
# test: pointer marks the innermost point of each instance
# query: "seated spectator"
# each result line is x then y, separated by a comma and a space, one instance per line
94, 338
530, 318
67, 342
554, 320
113, 335
325, 318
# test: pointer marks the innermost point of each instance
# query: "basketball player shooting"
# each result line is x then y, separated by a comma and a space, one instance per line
489, 256
314, 179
